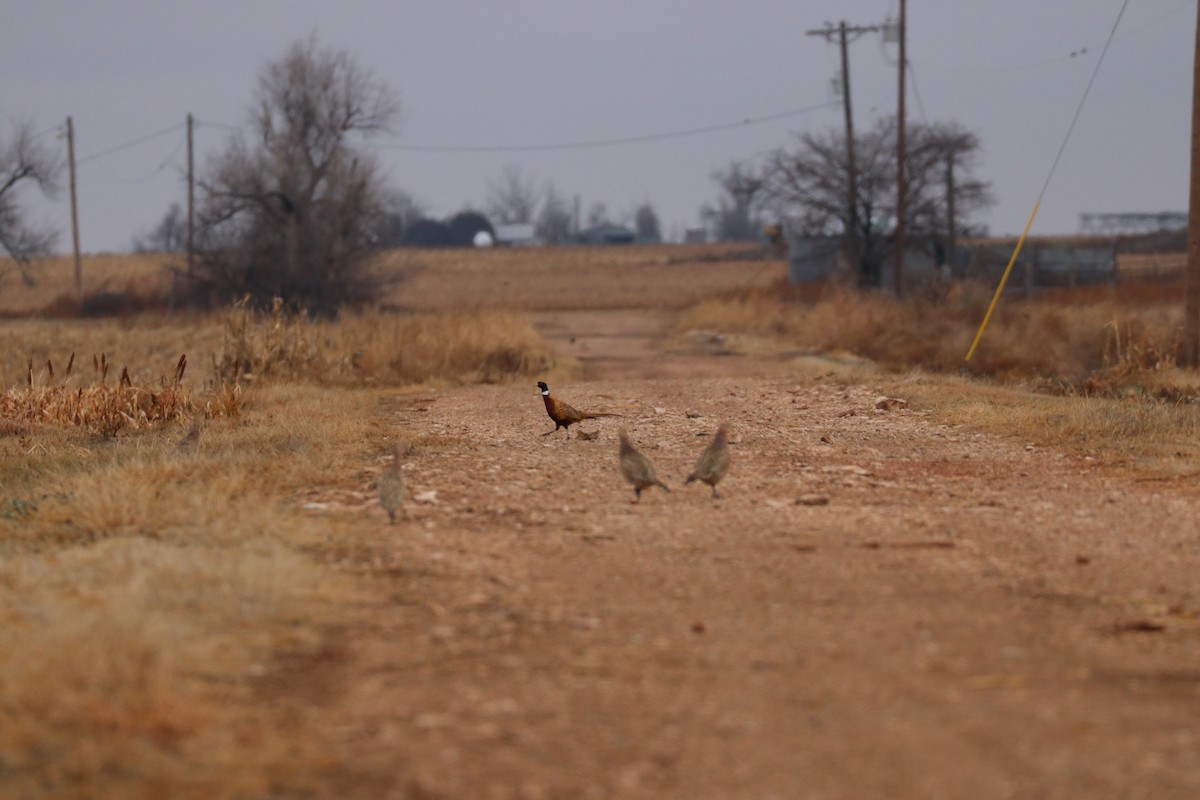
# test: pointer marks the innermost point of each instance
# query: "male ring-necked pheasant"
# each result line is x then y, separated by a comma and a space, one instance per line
564, 416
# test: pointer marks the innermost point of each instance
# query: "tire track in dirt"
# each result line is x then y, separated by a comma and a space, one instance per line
630, 343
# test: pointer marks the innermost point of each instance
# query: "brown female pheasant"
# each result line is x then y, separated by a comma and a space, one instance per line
391, 485
637, 469
713, 462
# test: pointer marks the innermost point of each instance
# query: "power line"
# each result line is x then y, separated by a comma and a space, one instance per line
544, 146
132, 143
595, 143
1037, 203
912, 78
222, 125
168, 161
1079, 109
57, 129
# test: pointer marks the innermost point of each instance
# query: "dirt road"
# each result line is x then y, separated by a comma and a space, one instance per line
879, 606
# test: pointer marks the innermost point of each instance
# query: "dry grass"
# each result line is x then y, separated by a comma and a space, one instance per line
1064, 339
163, 610
148, 594
571, 278
242, 346
107, 407
1154, 437
439, 280
106, 277
374, 348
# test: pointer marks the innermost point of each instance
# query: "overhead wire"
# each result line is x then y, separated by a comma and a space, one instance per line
485, 148
132, 143
167, 161
912, 79
596, 143
1041, 194
222, 125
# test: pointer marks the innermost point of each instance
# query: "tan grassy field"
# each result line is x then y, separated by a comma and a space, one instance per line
520, 279
143, 274
569, 278
177, 619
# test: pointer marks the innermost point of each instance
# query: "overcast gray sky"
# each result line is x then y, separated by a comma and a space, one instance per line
556, 72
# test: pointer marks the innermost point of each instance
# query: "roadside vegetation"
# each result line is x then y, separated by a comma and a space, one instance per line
166, 598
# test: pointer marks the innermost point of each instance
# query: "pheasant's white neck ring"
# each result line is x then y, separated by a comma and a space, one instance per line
545, 392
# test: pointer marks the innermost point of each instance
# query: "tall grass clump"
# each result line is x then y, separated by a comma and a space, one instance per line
105, 406
377, 349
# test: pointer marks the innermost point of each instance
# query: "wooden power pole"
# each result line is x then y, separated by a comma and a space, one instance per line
901, 147
843, 32
191, 199
851, 167
74, 212
1191, 295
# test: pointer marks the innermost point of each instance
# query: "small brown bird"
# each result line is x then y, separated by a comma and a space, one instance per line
564, 416
714, 461
192, 438
637, 469
391, 485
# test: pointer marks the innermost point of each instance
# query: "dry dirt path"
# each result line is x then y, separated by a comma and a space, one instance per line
879, 606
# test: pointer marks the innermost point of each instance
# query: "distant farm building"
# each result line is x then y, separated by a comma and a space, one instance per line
1126, 223
517, 234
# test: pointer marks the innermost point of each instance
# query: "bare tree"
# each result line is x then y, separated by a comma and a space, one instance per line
809, 186
24, 161
513, 198
646, 225
169, 236
555, 222
399, 212
942, 192
598, 215
736, 218
291, 211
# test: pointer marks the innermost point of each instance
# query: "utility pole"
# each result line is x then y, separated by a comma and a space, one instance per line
951, 221
900, 158
191, 199
1191, 293
843, 32
74, 212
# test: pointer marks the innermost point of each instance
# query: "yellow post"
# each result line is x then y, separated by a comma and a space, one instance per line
996, 297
